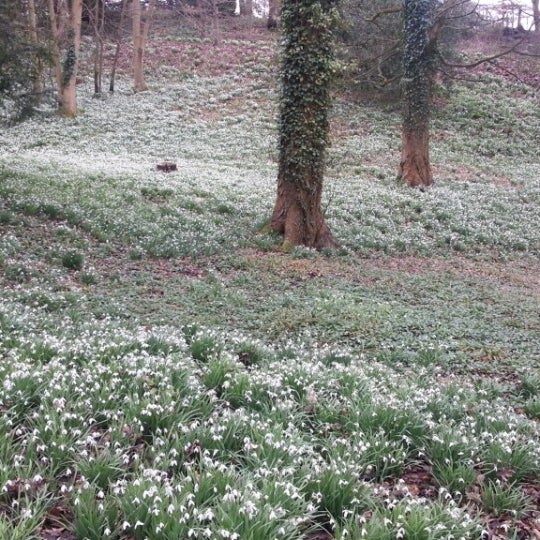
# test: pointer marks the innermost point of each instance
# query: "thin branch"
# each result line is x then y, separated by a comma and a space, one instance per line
386, 11
482, 60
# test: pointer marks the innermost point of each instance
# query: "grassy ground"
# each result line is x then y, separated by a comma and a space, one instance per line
167, 372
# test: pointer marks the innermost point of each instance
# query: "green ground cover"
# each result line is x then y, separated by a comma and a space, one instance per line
167, 372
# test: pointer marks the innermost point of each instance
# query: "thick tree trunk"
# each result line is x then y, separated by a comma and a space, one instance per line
304, 107
415, 167
420, 40
298, 216
536, 15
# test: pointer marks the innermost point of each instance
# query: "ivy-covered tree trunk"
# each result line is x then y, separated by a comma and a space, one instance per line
68, 89
415, 167
308, 27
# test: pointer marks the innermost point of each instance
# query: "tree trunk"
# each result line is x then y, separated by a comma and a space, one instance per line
55, 46
536, 15
140, 34
118, 46
138, 51
98, 22
415, 168
216, 34
298, 216
66, 27
305, 101
272, 21
246, 8
68, 94
37, 86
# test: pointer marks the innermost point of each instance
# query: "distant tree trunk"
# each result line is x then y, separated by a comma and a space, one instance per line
68, 94
305, 101
141, 27
536, 15
118, 46
98, 22
37, 86
66, 30
415, 168
216, 35
272, 21
56, 31
246, 8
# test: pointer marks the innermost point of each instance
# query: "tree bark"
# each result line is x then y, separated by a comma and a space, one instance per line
118, 46
298, 215
246, 8
536, 15
66, 27
415, 167
98, 22
37, 86
272, 21
55, 45
304, 106
140, 35
420, 41
138, 51
68, 94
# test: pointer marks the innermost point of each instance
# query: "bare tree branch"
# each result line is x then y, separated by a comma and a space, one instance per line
387, 11
482, 60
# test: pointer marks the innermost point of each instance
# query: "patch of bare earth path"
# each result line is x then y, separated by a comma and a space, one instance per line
521, 273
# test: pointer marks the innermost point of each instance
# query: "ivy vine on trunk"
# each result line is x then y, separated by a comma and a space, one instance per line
420, 36
306, 73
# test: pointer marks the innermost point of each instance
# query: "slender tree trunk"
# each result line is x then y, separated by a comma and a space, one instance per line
215, 23
140, 34
118, 46
414, 167
37, 86
68, 95
273, 8
98, 21
55, 45
138, 51
246, 8
304, 106
536, 15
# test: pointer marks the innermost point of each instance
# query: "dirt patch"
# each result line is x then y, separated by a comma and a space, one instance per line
520, 273
523, 274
